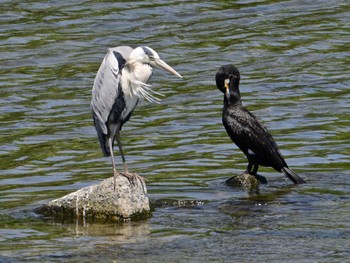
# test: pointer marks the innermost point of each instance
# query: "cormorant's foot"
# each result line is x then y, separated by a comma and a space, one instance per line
133, 177
260, 178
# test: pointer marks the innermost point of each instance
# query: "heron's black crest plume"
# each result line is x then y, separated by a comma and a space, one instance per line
147, 51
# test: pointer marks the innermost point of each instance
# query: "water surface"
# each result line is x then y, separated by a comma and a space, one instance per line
294, 63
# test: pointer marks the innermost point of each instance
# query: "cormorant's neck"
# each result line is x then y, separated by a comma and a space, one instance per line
233, 96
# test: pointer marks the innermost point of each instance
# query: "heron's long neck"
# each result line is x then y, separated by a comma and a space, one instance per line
141, 72
137, 76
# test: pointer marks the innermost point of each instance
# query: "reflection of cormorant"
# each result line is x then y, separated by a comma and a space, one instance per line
246, 131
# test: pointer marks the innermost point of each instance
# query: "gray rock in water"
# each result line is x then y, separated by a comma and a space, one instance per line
247, 181
129, 201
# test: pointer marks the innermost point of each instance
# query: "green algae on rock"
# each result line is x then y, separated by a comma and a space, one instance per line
247, 181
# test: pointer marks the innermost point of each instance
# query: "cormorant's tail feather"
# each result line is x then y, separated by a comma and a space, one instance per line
292, 175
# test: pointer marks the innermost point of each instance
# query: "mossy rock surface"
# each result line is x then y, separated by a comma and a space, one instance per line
247, 181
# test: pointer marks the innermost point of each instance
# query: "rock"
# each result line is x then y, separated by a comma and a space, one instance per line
129, 201
246, 181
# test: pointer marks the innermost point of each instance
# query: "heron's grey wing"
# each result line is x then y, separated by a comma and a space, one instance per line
105, 89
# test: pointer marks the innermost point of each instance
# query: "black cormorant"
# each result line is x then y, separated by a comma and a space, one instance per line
246, 130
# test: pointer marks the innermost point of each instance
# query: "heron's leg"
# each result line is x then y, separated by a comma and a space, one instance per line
121, 152
131, 176
112, 157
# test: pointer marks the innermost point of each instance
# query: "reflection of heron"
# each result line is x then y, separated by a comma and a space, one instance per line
246, 131
119, 84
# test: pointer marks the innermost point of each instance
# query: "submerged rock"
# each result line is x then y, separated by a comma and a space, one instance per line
246, 181
129, 201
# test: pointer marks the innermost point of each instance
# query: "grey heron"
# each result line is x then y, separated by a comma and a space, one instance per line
246, 130
121, 81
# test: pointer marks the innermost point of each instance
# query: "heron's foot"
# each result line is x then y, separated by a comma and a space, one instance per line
133, 177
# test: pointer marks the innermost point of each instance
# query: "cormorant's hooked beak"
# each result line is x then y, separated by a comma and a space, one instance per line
161, 64
227, 84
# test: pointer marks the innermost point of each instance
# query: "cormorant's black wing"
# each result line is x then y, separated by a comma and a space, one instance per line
252, 137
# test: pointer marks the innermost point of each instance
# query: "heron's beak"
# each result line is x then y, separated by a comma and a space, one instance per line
160, 63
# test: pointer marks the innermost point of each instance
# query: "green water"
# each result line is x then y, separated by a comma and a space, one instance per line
294, 63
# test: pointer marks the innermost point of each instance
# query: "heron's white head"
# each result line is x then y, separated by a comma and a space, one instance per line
139, 69
147, 56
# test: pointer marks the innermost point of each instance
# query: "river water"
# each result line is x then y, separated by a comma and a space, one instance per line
294, 63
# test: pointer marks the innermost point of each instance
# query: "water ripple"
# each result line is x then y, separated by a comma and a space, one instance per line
293, 58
